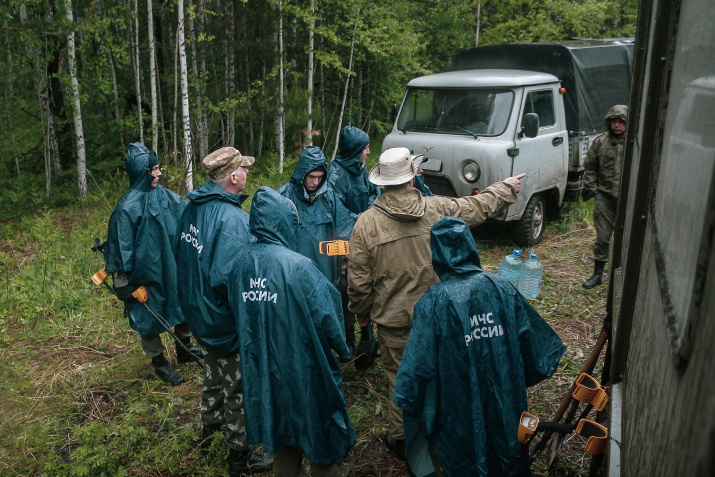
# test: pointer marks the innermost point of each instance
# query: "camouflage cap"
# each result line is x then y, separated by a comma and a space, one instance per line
619, 111
224, 161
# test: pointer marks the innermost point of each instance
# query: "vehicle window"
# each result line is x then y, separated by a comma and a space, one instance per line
541, 103
476, 112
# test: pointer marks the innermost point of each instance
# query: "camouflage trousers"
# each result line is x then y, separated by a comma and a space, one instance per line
604, 219
222, 399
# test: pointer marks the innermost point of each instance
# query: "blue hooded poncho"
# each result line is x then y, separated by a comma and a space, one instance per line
347, 175
288, 318
141, 233
475, 345
325, 218
213, 230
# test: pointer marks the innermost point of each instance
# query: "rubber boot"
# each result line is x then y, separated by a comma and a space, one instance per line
166, 373
206, 436
597, 277
183, 357
245, 462
397, 446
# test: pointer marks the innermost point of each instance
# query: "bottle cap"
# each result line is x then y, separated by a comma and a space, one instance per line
516, 251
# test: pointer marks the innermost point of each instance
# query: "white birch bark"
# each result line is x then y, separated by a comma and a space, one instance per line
311, 73
345, 92
137, 70
76, 110
152, 77
186, 114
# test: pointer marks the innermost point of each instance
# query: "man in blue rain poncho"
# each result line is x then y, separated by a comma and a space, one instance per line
347, 175
475, 345
289, 317
139, 251
322, 217
213, 231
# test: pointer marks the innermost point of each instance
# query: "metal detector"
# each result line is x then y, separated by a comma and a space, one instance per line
141, 295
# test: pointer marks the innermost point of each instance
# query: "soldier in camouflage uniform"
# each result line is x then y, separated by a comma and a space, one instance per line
602, 181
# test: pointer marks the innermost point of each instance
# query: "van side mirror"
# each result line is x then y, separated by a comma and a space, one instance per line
393, 113
530, 125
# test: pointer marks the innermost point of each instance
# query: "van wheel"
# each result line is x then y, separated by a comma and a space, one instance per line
529, 230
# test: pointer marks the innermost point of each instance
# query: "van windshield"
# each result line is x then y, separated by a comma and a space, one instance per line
479, 112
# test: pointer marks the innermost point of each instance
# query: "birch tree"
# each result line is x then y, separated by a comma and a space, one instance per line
76, 108
186, 114
311, 73
347, 83
152, 77
136, 61
280, 117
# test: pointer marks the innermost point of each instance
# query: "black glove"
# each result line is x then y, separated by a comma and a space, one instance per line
125, 293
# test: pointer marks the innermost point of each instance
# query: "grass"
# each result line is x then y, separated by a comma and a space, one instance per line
79, 398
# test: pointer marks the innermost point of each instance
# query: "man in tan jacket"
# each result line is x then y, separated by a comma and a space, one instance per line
390, 262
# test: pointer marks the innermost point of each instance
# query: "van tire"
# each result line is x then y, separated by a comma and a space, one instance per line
529, 230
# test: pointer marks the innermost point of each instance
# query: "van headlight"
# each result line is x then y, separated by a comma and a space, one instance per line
471, 172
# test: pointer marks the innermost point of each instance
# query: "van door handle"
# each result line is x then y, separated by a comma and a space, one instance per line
557, 140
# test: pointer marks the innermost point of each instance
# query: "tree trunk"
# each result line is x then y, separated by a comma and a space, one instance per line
152, 74
311, 72
479, 22
230, 138
48, 162
259, 148
76, 110
186, 114
8, 94
280, 117
52, 153
12, 132
202, 137
358, 99
322, 102
174, 128
345, 92
117, 112
137, 70
202, 72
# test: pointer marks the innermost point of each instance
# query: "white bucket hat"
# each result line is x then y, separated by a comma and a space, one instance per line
397, 166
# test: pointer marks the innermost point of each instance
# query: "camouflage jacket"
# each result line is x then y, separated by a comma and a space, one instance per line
605, 159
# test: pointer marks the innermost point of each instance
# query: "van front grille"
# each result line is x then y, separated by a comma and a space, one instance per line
440, 185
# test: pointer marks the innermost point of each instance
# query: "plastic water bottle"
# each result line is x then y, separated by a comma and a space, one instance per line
510, 267
530, 282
